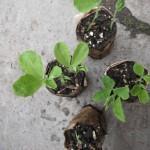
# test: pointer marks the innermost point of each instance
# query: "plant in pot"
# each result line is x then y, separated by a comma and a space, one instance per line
98, 26
123, 82
86, 131
65, 76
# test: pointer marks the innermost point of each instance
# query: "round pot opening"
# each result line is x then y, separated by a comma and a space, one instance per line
72, 87
86, 131
100, 37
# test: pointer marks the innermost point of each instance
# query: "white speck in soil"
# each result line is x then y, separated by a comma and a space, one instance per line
93, 45
94, 135
101, 35
99, 42
91, 33
90, 42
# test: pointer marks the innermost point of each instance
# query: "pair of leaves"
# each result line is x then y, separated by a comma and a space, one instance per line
31, 64
140, 91
86, 5
112, 96
63, 56
120, 4
55, 73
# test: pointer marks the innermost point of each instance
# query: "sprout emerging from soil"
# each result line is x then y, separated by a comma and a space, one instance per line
33, 70
87, 5
113, 96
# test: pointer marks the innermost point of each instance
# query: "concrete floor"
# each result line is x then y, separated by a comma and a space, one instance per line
37, 123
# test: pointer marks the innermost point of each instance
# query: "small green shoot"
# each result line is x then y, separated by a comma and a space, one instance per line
112, 97
33, 70
119, 6
139, 89
73, 63
87, 5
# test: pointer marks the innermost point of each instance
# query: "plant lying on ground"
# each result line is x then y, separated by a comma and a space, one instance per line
87, 5
113, 97
34, 76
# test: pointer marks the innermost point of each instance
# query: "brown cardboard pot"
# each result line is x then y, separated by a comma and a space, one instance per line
73, 87
100, 37
86, 131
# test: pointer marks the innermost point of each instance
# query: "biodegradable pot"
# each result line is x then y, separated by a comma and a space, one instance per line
73, 87
86, 131
122, 73
100, 37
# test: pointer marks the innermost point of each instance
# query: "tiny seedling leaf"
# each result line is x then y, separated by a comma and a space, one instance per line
144, 96
120, 4
26, 85
147, 78
31, 63
136, 90
80, 54
122, 92
62, 54
51, 84
108, 82
55, 72
138, 69
86, 5
101, 95
118, 110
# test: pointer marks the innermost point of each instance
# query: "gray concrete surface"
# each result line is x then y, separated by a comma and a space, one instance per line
37, 123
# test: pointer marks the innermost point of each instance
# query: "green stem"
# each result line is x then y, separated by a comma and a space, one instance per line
95, 16
113, 20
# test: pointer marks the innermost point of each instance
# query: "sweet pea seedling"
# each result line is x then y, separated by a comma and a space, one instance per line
112, 97
139, 89
87, 5
72, 63
34, 76
31, 64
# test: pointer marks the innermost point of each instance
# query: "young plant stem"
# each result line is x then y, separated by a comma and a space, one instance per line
95, 16
113, 20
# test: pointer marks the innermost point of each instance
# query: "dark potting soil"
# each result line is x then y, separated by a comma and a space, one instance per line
100, 33
123, 74
71, 87
83, 137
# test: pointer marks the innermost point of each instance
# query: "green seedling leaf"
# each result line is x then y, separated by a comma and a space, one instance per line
120, 4
118, 110
101, 95
122, 92
138, 69
51, 84
86, 5
82, 68
67, 78
136, 90
80, 54
147, 78
31, 63
62, 54
26, 85
55, 72
143, 96
108, 82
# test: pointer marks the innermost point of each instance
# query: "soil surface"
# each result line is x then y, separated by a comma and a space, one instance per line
83, 137
100, 33
87, 130
71, 87
123, 74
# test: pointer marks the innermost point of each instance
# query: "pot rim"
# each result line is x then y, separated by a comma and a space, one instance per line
115, 64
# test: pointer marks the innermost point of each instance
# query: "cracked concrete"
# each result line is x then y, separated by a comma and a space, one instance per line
37, 123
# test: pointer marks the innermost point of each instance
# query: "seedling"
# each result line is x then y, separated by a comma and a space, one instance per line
87, 5
139, 89
112, 97
34, 76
